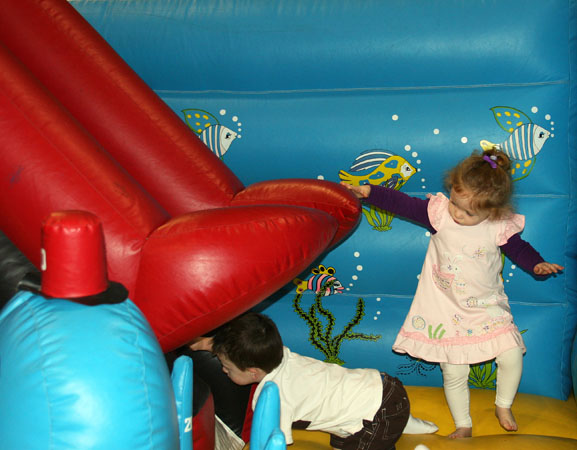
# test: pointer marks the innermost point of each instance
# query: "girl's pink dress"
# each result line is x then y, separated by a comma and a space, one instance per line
460, 313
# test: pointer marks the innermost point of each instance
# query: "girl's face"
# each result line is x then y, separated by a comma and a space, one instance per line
461, 211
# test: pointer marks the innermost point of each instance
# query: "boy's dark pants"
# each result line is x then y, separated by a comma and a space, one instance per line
388, 424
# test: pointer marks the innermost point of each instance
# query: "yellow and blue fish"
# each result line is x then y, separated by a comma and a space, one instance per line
378, 167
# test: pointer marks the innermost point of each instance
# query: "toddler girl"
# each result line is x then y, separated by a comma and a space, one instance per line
460, 314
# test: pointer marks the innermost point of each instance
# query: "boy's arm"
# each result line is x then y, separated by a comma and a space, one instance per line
525, 256
399, 203
201, 343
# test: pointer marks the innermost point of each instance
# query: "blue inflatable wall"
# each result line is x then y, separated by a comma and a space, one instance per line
303, 88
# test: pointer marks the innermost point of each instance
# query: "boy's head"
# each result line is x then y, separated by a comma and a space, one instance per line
248, 347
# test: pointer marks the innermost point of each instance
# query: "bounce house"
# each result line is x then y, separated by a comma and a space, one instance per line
210, 138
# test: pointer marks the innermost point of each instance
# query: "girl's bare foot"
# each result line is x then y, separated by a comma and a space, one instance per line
506, 419
461, 432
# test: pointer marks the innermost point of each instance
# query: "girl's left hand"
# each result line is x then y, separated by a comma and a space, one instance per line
546, 268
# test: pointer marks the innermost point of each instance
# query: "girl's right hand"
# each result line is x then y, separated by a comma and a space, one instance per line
360, 191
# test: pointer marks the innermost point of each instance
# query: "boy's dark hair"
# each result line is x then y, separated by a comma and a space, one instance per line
250, 340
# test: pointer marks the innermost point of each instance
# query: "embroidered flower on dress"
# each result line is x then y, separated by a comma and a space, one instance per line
480, 253
418, 323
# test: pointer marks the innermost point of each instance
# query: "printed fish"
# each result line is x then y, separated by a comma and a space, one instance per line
523, 144
217, 137
379, 167
320, 276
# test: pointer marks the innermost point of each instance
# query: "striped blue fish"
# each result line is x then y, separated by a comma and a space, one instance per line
525, 142
218, 138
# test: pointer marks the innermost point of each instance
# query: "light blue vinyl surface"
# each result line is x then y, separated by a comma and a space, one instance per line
82, 377
310, 85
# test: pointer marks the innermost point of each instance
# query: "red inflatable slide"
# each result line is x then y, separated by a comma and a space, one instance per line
80, 130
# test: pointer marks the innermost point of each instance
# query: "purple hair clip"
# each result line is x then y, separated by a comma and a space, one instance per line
491, 160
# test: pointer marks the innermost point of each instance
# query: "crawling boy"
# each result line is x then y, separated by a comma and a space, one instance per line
360, 408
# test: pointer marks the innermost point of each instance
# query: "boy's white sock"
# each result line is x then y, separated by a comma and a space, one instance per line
419, 426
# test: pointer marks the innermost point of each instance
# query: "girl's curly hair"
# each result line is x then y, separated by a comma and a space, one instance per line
486, 175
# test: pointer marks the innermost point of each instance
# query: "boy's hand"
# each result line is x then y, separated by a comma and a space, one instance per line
201, 343
546, 268
360, 191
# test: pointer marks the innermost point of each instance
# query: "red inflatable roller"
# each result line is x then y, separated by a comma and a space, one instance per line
82, 131
111, 101
134, 125
49, 163
201, 269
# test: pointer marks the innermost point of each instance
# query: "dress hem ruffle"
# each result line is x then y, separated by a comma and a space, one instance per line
432, 350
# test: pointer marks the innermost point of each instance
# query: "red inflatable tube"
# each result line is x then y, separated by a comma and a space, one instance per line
82, 131
135, 126
186, 289
48, 163
122, 113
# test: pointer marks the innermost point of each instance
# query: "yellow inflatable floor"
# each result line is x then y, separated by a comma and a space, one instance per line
544, 424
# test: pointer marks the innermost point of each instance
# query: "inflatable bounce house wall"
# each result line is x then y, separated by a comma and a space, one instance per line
391, 93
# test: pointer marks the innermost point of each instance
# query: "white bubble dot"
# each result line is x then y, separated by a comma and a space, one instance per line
464, 139
378, 299
360, 268
436, 131
356, 254
378, 313
395, 117
418, 161
513, 266
428, 233
222, 112
355, 277
547, 116
414, 154
511, 274
407, 148
534, 109
320, 177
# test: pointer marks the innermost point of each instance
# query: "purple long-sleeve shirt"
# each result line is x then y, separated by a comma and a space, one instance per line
519, 251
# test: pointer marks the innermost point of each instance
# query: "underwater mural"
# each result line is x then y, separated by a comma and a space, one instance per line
378, 167
524, 142
321, 320
208, 128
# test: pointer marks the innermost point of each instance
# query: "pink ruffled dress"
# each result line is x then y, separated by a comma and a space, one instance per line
460, 313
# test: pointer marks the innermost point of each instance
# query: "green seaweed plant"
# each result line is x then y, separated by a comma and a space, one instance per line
320, 335
484, 375
378, 218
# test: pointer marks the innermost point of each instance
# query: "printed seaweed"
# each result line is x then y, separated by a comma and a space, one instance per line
321, 335
484, 375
